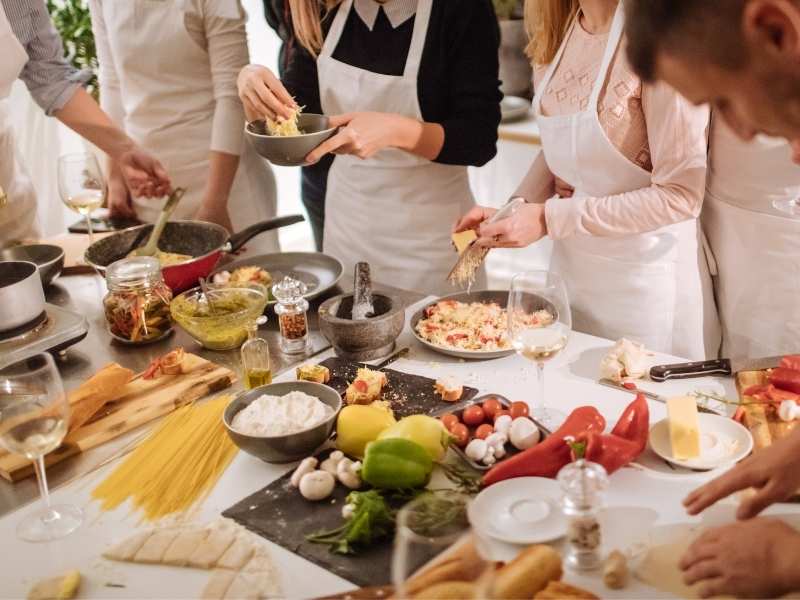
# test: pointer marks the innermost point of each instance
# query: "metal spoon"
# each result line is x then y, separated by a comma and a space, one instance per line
151, 248
207, 296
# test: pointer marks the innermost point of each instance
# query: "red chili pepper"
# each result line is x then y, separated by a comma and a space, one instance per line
547, 458
626, 441
785, 379
792, 361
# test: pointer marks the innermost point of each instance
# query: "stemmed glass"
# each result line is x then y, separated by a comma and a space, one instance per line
34, 417
426, 526
539, 326
790, 207
81, 185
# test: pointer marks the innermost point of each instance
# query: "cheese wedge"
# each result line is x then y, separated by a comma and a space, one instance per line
463, 239
684, 428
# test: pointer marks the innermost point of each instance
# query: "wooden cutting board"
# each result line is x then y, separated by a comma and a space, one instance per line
764, 426
138, 402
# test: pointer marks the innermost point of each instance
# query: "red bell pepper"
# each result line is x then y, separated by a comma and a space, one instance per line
626, 441
547, 458
785, 379
791, 361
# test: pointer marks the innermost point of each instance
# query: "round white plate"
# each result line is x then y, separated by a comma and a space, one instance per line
723, 441
524, 510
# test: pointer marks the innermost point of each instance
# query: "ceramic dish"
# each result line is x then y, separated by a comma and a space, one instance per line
523, 510
723, 441
290, 151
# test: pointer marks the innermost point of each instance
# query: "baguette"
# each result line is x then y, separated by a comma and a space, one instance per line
449, 389
96, 392
528, 574
558, 590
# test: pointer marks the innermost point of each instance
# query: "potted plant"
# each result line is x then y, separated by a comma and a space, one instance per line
515, 68
73, 21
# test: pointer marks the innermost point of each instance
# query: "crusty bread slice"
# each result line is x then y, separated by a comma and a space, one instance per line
94, 393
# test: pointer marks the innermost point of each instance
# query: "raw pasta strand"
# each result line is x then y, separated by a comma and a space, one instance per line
177, 465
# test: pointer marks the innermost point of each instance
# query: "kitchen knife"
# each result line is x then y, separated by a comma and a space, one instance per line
647, 394
719, 366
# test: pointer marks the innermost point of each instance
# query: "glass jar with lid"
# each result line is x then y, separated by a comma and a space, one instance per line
137, 303
584, 484
292, 319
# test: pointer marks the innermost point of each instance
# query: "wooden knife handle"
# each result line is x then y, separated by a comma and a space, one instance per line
701, 368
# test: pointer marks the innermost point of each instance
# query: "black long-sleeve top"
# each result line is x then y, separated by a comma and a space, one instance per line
458, 82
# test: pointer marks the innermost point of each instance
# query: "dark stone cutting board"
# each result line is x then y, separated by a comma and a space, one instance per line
280, 514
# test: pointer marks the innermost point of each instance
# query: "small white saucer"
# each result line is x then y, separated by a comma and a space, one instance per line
524, 510
723, 442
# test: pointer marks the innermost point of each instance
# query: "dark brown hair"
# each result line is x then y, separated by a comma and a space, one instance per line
709, 30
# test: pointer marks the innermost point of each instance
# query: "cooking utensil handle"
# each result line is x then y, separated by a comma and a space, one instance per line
702, 368
237, 240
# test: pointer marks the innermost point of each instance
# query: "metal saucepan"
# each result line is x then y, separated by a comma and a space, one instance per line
49, 259
206, 242
21, 294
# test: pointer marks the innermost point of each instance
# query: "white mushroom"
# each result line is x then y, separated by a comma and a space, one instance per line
347, 473
502, 424
490, 457
477, 449
789, 410
306, 466
348, 510
330, 463
523, 433
317, 485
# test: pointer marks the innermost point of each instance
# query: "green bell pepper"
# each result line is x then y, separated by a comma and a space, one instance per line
396, 463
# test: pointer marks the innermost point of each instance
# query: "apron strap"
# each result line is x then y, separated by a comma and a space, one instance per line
551, 68
614, 36
335, 32
421, 20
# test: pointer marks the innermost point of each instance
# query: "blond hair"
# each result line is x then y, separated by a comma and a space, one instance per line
307, 18
546, 22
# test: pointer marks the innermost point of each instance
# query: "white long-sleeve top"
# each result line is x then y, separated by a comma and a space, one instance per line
217, 27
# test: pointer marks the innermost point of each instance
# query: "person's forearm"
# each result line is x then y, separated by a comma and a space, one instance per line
221, 172
83, 115
420, 138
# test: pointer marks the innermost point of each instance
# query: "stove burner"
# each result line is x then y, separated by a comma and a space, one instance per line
26, 330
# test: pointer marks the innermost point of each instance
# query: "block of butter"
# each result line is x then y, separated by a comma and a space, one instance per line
463, 239
684, 428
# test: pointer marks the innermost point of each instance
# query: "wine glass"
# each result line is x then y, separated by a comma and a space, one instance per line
539, 325
790, 207
81, 185
34, 417
427, 526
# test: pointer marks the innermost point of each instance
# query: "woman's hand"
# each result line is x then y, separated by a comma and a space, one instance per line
215, 212
474, 218
143, 174
263, 95
363, 134
562, 188
526, 226
119, 198
753, 559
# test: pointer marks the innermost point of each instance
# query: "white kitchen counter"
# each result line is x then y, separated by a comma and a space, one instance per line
639, 498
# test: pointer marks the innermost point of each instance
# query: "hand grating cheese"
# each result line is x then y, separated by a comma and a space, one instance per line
684, 429
463, 239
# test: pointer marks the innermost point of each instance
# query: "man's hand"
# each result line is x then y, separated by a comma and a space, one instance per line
774, 472
753, 559
119, 199
143, 174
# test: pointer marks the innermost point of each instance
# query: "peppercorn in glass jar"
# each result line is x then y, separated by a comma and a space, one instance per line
137, 303
292, 319
584, 484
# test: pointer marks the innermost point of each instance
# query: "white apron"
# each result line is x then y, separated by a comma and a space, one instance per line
168, 96
395, 209
18, 210
652, 287
756, 247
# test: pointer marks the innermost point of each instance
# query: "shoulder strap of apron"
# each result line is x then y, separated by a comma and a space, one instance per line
335, 32
614, 36
421, 20
548, 74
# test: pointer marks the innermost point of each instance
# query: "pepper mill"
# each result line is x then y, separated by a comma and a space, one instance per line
362, 293
584, 484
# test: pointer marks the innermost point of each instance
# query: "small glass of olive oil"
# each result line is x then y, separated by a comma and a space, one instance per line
255, 357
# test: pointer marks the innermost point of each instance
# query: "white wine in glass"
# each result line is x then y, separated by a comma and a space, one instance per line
34, 418
539, 326
81, 185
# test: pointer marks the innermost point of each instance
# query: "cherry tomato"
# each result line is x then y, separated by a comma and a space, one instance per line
484, 431
473, 415
500, 413
461, 434
491, 406
449, 420
519, 409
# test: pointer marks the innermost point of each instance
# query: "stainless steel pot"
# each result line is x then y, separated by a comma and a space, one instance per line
21, 294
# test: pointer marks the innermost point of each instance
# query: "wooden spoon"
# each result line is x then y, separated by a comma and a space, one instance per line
151, 247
